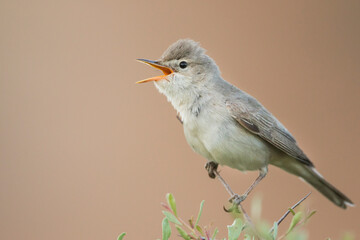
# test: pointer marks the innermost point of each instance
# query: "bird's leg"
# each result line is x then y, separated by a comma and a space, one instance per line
236, 199
211, 167
228, 189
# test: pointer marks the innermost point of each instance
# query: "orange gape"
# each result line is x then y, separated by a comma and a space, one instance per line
167, 71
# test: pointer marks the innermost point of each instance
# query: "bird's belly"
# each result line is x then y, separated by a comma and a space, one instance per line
244, 152
227, 143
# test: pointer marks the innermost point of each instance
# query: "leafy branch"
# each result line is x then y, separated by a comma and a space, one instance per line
241, 228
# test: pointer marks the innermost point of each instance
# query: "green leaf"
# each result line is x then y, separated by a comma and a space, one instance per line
191, 222
166, 230
215, 233
200, 211
348, 236
275, 230
297, 235
256, 207
171, 201
247, 237
295, 220
121, 236
199, 229
310, 215
171, 217
235, 229
183, 234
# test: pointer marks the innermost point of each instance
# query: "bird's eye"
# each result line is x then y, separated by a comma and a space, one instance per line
183, 64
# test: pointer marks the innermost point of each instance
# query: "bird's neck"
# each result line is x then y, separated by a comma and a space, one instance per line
187, 102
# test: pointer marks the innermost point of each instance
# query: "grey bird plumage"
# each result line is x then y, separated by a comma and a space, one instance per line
226, 125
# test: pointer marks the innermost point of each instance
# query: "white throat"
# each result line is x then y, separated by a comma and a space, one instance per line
186, 98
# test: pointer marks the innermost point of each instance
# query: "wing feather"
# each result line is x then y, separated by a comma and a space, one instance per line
262, 123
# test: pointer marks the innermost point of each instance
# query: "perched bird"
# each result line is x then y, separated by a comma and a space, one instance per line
228, 126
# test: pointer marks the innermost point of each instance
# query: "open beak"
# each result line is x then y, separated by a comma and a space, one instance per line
166, 70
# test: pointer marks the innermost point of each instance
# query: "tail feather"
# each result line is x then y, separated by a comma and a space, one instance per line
311, 176
328, 190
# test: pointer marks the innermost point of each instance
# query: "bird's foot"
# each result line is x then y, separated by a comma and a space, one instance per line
236, 199
211, 167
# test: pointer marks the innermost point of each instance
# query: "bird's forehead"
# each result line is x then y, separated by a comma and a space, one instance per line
184, 48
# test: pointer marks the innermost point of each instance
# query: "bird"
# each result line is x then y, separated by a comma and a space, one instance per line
226, 125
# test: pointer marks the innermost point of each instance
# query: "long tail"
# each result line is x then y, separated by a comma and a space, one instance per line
311, 176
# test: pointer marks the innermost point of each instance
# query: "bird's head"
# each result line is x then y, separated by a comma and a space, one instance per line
185, 67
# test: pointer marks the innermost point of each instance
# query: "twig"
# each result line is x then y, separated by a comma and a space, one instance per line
288, 211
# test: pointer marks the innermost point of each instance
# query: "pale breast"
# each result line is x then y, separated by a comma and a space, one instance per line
219, 138
194, 137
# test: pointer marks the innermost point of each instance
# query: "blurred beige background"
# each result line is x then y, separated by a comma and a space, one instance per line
87, 154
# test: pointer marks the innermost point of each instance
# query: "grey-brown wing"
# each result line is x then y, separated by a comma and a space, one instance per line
262, 123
